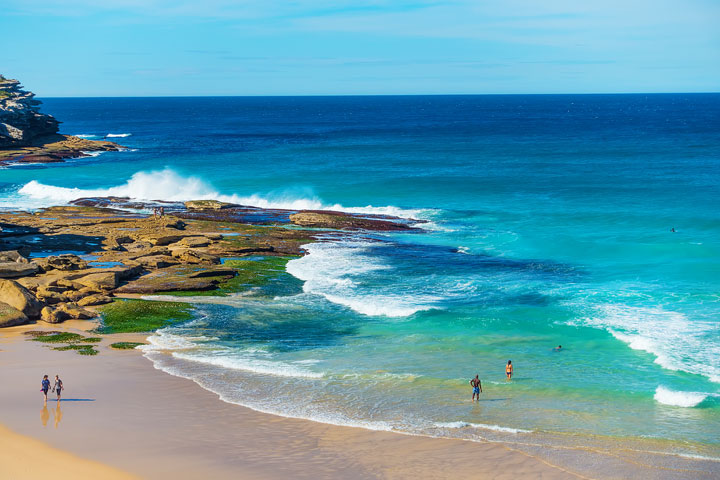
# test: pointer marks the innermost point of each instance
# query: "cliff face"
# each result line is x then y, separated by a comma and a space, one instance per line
20, 119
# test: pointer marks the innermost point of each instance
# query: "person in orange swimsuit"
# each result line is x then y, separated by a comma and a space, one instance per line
509, 370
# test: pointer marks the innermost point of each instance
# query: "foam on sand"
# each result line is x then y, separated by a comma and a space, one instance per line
495, 428
248, 363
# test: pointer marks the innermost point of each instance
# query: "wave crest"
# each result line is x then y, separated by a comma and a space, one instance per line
677, 398
168, 185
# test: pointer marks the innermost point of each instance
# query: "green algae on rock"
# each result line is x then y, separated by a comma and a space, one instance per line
134, 315
125, 345
80, 349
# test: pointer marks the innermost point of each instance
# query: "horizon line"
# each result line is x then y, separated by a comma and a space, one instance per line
380, 95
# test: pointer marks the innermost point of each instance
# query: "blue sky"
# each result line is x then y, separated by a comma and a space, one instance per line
306, 47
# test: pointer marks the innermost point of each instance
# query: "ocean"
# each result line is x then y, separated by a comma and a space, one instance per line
587, 221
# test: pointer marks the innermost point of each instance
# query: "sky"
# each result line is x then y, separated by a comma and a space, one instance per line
334, 47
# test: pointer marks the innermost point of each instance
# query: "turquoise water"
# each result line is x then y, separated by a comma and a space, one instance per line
549, 222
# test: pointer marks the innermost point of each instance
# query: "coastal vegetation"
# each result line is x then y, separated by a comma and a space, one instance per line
134, 315
61, 337
79, 349
80, 344
125, 345
251, 273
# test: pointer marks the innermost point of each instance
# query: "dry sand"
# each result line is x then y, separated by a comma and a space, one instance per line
119, 414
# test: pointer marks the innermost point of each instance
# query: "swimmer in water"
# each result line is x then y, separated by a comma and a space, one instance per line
509, 370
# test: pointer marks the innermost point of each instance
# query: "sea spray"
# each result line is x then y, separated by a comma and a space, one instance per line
169, 185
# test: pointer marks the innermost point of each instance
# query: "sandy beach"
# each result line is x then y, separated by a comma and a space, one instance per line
139, 422
121, 418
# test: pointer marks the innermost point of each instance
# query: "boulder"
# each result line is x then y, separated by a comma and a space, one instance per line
11, 316
68, 284
176, 224
185, 255
75, 311
94, 300
53, 315
157, 261
194, 242
12, 256
74, 295
65, 263
162, 240
99, 281
17, 269
20, 298
207, 205
50, 297
137, 246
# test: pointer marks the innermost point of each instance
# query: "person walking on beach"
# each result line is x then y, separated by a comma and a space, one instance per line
509, 370
477, 388
45, 386
58, 387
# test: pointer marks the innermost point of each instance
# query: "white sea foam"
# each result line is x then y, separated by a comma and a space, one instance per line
462, 249
118, 135
93, 154
238, 361
86, 135
164, 339
667, 335
679, 399
171, 186
335, 271
496, 428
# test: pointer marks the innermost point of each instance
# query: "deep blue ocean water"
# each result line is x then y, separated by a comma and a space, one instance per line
549, 222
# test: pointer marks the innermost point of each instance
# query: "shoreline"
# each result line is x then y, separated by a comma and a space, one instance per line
188, 431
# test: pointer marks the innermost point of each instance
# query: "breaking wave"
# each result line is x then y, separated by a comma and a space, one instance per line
169, 185
679, 399
337, 271
666, 334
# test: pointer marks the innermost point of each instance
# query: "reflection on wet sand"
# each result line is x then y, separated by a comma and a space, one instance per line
57, 413
44, 415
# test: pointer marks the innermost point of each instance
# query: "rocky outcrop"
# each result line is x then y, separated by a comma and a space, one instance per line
343, 221
20, 119
28, 136
19, 297
11, 316
131, 251
207, 205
